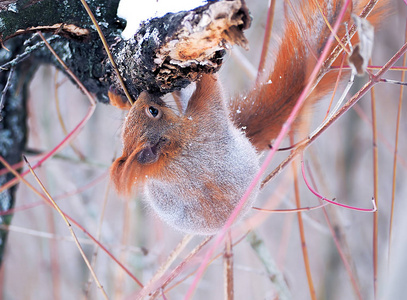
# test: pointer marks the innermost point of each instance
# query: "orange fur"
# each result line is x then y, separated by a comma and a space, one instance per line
118, 100
196, 165
263, 111
137, 132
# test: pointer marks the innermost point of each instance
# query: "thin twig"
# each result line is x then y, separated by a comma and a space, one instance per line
68, 224
164, 267
302, 233
381, 136
374, 209
275, 275
51, 236
181, 266
301, 147
338, 79
393, 191
394, 68
15, 173
98, 234
59, 197
61, 120
340, 43
23, 56
393, 81
228, 268
266, 39
335, 233
77, 128
54, 258
109, 54
191, 255
375, 192
284, 211
119, 278
338, 49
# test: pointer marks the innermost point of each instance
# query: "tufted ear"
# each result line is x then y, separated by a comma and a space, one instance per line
118, 100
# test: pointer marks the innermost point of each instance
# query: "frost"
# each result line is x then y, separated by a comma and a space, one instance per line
98, 13
190, 118
270, 82
67, 54
12, 7
154, 35
104, 24
238, 111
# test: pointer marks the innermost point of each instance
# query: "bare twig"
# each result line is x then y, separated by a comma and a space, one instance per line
275, 275
228, 268
393, 192
19, 176
393, 81
375, 192
302, 232
60, 118
98, 234
338, 238
373, 81
109, 54
284, 211
181, 266
164, 267
26, 54
70, 229
338, 49
77, 128
266, 39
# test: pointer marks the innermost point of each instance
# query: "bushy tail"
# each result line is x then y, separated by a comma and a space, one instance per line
263, 111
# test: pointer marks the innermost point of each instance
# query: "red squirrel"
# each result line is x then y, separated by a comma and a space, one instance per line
195, 165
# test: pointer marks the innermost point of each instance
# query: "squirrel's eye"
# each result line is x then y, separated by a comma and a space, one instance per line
153, 112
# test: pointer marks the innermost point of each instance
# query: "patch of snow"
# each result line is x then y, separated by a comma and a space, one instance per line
136, 11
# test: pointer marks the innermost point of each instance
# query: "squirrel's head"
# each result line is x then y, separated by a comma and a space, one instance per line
151, 136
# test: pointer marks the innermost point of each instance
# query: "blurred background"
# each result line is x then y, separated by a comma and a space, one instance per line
43, 262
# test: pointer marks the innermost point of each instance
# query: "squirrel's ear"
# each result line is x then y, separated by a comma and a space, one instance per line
118, 100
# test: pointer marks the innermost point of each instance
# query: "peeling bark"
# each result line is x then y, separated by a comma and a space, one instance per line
167, 53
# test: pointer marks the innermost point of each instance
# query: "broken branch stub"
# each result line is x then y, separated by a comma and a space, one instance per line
168, 53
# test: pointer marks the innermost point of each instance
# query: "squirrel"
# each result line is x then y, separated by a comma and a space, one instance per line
196, 165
